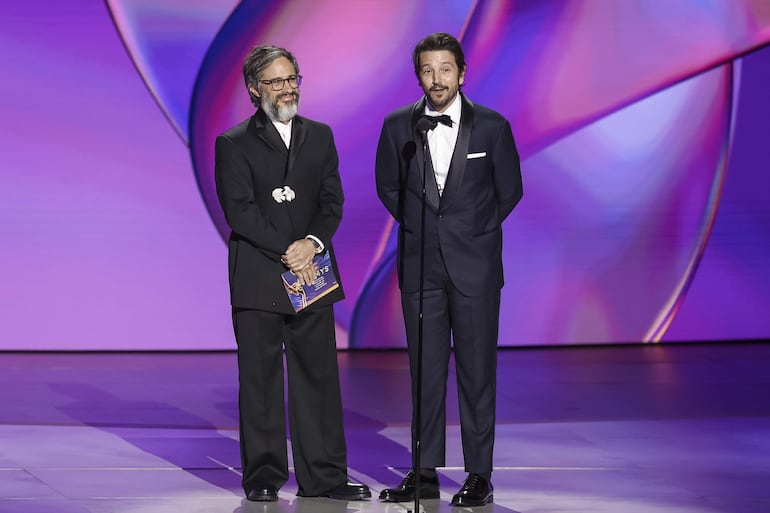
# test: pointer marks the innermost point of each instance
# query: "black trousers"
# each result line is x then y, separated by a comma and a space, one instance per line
471, 323
315, 406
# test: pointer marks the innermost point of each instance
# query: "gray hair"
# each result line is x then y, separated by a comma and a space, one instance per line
260, 57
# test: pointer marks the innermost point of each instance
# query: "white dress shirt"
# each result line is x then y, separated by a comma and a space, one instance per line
284, 130
442, 140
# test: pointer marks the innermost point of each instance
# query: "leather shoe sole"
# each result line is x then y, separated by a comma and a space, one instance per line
393, 495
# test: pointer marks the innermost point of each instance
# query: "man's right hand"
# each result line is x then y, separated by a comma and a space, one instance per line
298, 255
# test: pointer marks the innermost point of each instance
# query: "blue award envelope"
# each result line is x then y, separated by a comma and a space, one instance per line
302, 296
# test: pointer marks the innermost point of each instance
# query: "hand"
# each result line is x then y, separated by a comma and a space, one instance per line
299, 255
308, 274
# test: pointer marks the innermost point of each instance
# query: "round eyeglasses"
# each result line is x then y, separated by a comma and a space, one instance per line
277, 84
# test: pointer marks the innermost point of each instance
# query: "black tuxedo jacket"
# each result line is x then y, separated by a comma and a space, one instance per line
251, 161
464, 223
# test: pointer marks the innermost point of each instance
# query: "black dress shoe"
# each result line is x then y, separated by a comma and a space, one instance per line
263, 494
348, 492
404, 492
476, 491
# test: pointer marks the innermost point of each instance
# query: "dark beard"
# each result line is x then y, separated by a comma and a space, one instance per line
443, 103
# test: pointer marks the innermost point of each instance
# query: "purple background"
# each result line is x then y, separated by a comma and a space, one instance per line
644, 134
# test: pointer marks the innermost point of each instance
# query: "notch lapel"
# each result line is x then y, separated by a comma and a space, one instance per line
298, 135
459, 156
269, 134
431, 187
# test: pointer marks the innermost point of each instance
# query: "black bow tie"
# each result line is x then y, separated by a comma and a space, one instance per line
441, 118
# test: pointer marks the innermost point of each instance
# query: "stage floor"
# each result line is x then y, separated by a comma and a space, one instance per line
631, 429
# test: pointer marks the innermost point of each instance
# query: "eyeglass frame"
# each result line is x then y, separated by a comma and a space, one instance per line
282, 81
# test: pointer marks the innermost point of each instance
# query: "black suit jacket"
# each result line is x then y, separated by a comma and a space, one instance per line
251, 161
464, 223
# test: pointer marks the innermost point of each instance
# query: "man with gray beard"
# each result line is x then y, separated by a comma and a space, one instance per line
279, 187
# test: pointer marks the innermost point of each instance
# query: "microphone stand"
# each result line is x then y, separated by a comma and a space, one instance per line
424, 124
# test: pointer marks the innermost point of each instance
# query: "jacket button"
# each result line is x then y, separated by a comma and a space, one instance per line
273, 303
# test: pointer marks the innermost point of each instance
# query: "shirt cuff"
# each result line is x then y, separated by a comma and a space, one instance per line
319, 246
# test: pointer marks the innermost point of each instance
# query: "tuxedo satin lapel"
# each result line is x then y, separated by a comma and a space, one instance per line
431, 187
268, 133
298, 135
459, 157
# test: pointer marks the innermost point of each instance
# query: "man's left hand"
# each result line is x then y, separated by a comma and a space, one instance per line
298, 255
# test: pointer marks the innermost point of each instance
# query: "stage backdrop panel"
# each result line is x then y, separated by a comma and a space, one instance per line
643, 130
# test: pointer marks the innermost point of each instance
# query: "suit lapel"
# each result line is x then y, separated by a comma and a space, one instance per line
298, 135
431, 187
268, 133
459, 156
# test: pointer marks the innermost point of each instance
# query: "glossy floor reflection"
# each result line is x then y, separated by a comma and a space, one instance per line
633, 429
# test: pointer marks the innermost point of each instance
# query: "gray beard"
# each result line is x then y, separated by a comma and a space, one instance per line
280, 113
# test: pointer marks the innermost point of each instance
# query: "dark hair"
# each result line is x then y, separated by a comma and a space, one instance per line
260, 57
439, 41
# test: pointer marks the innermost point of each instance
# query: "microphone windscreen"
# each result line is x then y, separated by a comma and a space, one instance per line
424, 124
408, 151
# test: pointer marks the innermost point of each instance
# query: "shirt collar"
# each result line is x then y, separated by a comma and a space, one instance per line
283, 127
284, 130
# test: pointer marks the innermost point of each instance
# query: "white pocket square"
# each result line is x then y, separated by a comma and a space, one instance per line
477, 155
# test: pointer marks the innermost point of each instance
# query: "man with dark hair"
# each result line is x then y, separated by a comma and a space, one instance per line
472, 183
278, 184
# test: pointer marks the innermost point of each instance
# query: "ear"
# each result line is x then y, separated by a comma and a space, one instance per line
254, 92
462, 76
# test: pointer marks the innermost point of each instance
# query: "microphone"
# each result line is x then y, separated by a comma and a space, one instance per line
425, 124
409, 150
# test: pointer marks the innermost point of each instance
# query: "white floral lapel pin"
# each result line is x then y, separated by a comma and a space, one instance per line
286, 194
